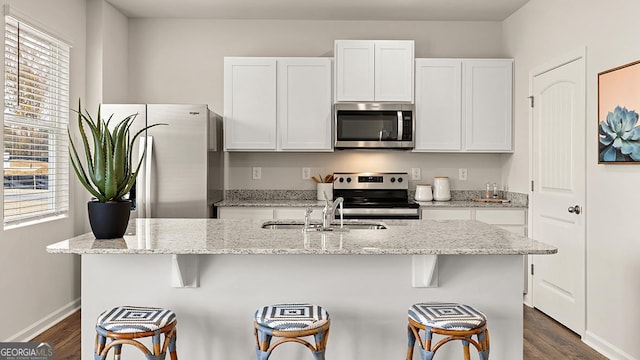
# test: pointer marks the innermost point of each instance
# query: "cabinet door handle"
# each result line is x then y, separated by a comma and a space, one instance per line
574, 209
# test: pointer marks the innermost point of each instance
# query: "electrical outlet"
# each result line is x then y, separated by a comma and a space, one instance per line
415, 173
462, 174
306, 173
257, 173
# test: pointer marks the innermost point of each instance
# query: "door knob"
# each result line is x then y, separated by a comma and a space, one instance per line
574, 209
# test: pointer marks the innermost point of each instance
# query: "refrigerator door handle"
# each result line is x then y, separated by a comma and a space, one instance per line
147, 179
140, 182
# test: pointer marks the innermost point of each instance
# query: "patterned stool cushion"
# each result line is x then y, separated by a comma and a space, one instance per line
447, 316
132, 319
292, 317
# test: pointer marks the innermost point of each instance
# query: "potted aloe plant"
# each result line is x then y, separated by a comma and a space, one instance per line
109, 170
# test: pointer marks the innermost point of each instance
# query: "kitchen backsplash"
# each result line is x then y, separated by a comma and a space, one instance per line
284, 170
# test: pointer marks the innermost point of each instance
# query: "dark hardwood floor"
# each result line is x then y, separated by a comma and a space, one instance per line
65, 336
544, 338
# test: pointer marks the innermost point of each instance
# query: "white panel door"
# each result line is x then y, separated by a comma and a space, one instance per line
487, 106
558, 172
438, 104
250, 104
304, 104
354, 70
393, 64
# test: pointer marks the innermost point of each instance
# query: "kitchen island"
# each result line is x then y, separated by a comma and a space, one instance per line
215, 273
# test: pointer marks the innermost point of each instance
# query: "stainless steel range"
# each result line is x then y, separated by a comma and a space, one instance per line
375, 195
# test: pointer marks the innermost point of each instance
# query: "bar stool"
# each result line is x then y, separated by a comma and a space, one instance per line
121, 325
291, 322
455, 321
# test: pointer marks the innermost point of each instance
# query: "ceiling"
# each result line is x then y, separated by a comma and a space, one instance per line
456, 10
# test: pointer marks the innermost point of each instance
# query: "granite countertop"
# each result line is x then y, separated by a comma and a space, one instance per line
270, 203
218, 236
306, 198
468, 204
315, 203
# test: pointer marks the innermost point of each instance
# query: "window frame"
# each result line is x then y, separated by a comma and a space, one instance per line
54, 123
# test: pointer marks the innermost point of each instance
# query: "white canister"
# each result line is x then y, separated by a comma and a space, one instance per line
441, 189
424, 192
324, 188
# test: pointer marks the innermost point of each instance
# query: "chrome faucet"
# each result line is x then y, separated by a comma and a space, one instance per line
329, 211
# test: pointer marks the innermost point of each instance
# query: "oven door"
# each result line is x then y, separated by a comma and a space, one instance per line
367, 126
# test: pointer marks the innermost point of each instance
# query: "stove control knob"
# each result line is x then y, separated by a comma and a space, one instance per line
399, 179
348, 179
393, 179
341, 179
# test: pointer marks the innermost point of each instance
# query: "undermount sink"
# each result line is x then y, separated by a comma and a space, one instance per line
283, 226
348, 225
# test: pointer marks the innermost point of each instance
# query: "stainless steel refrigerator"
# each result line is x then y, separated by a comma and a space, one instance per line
182, 174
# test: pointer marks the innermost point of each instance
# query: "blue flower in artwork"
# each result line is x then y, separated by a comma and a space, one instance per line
619, 136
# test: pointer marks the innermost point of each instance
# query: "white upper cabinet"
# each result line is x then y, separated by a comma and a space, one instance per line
464, 105
249, 104
354, 70
488, 88
374, 70
394, 70
438, 105
304, 104
278, 104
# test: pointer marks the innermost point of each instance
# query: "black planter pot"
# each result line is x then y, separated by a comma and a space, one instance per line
109, 220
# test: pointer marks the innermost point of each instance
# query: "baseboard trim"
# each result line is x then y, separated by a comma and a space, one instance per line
45, 323
604, 347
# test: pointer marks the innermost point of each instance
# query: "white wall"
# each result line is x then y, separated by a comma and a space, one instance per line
284, 170
107, 55
609, 30
115, 55
94, 36
37, 287
182, 61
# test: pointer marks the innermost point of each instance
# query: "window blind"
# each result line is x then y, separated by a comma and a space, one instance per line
36, 114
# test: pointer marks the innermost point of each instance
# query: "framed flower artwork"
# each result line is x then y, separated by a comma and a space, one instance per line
618, 108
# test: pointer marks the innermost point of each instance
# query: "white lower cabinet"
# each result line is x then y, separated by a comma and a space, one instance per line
514, 220
296, 213
446, 214
511, 220
267, 213
254, 213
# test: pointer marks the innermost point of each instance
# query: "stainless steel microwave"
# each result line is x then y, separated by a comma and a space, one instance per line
374, 126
